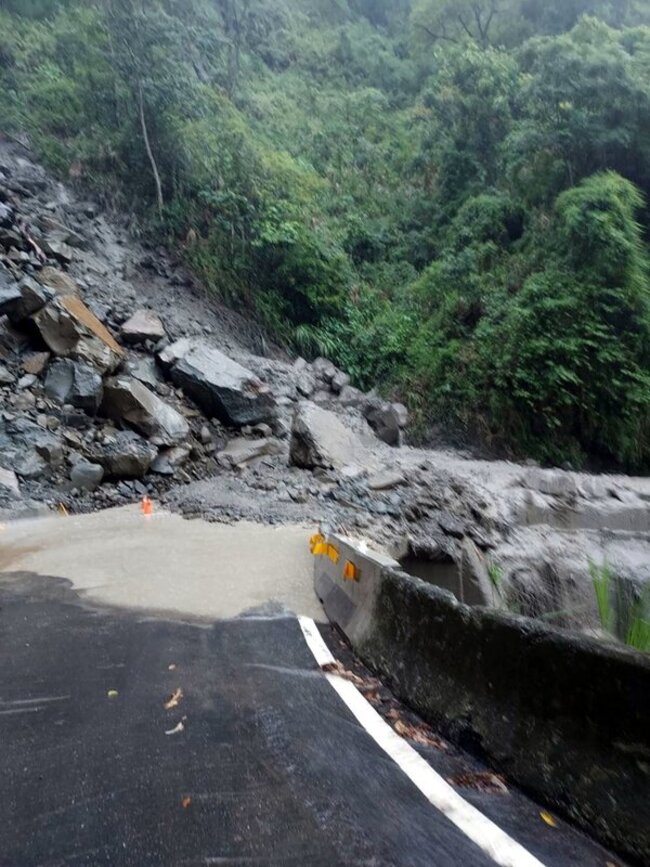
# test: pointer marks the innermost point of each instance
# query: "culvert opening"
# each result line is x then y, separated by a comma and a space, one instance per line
446, 574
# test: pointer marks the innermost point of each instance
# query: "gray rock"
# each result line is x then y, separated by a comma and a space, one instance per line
240, 451
319, 439
555, 483
74, 383
306, 384
339, 381
27, 381
86, 476
6, 377
352, 397
126, 399
170, 460
144, 369
27, 449
219, 385
324, 369
20, 300
58, 281
387, 420
385, 480
6, 216
126, 455
70, 330
9, 483
54, 244
36, 363
142, 326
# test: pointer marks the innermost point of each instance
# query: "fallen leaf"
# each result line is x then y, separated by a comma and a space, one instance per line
483, 782
112, 693
177, 729
185, 802
546, 817
337, 668
174, 699
373, 697
418, 734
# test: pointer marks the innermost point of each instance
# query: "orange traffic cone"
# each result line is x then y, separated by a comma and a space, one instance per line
147, 506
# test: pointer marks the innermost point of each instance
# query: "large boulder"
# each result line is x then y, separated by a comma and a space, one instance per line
219, 385
74, 383
319, 439
387, 420
142, 326
125, 455
20, 300
126, 399
70, 330
86, 476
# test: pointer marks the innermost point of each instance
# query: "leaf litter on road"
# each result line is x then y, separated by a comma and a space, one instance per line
484, 781
174, 699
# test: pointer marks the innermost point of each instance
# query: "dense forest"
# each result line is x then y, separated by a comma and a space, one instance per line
446, 197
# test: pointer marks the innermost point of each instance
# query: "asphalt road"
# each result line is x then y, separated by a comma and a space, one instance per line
259, 762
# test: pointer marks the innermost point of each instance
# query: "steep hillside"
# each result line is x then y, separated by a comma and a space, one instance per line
446, 198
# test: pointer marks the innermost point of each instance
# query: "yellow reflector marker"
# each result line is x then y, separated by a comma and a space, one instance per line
350, 571
314, 541
320, 548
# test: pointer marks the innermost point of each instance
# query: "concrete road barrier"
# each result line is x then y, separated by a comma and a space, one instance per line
564, 716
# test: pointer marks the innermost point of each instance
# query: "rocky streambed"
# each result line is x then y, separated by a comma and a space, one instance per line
120, 378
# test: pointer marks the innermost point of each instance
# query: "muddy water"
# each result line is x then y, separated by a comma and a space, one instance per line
167, 564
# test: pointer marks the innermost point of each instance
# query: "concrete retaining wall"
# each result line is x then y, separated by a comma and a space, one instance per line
566, 717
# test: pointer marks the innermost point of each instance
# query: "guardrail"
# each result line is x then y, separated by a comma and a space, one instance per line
564, 716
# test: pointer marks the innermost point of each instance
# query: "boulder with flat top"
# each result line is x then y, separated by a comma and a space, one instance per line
220, 386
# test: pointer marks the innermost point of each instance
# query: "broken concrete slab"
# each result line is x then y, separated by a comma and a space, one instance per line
70, 330
142, 326
127, 399
319, 439
74, 383
220, 386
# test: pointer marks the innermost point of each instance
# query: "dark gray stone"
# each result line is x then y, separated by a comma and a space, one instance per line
28, 449
126, 399
126, 455
86, 476
387, 420
219, 385
74, 383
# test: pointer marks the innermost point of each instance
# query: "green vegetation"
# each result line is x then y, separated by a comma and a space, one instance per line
621, 617
448, 197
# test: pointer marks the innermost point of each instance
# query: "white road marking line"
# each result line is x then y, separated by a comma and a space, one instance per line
477, 827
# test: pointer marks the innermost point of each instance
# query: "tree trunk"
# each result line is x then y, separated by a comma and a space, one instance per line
152, 159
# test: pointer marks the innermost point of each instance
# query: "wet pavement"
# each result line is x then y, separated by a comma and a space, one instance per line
135, 737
